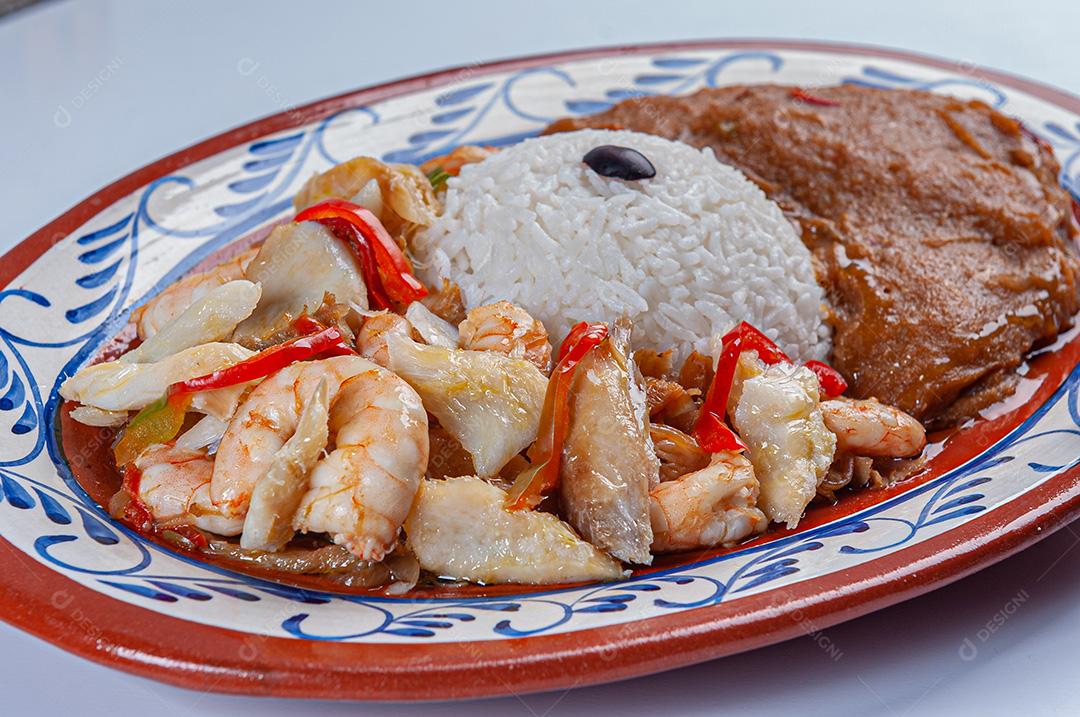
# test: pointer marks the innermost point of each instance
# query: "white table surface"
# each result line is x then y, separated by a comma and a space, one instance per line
172, 79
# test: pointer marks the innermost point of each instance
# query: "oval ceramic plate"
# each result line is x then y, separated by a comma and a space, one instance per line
87, 583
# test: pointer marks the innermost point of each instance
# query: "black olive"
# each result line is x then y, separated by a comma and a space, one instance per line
609, 160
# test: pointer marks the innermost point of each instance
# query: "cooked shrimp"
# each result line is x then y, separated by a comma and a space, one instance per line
277, 494
170, 303
361, 492
373, 334
175, 485
509, 329
265, 421
461, 528
714, 505
870, 428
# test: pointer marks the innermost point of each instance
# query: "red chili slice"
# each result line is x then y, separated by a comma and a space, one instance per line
271, 360
714, 436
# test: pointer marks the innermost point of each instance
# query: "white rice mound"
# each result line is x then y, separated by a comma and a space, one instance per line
686, 254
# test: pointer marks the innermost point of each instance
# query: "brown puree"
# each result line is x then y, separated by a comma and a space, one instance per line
940, 234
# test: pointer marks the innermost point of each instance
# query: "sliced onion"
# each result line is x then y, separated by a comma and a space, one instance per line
434, 331
678, 452
99, 417
211, 318
206, 434
370, 197
404, 572
331, 560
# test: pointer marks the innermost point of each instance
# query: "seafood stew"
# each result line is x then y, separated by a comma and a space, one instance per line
558, 361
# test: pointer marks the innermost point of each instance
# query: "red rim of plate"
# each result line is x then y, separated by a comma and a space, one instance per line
95, 626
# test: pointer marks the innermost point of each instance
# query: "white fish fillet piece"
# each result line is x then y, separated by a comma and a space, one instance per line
297, 266
488, 401
608, 462
777, 412
460, 528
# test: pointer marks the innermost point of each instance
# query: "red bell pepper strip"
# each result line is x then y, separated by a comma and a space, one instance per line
802, 95
264, 363
595, 333
386, 270
831, 382
750, 338
365, 256
713, 435
307, 326
710, 430
546, 453
162, 420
